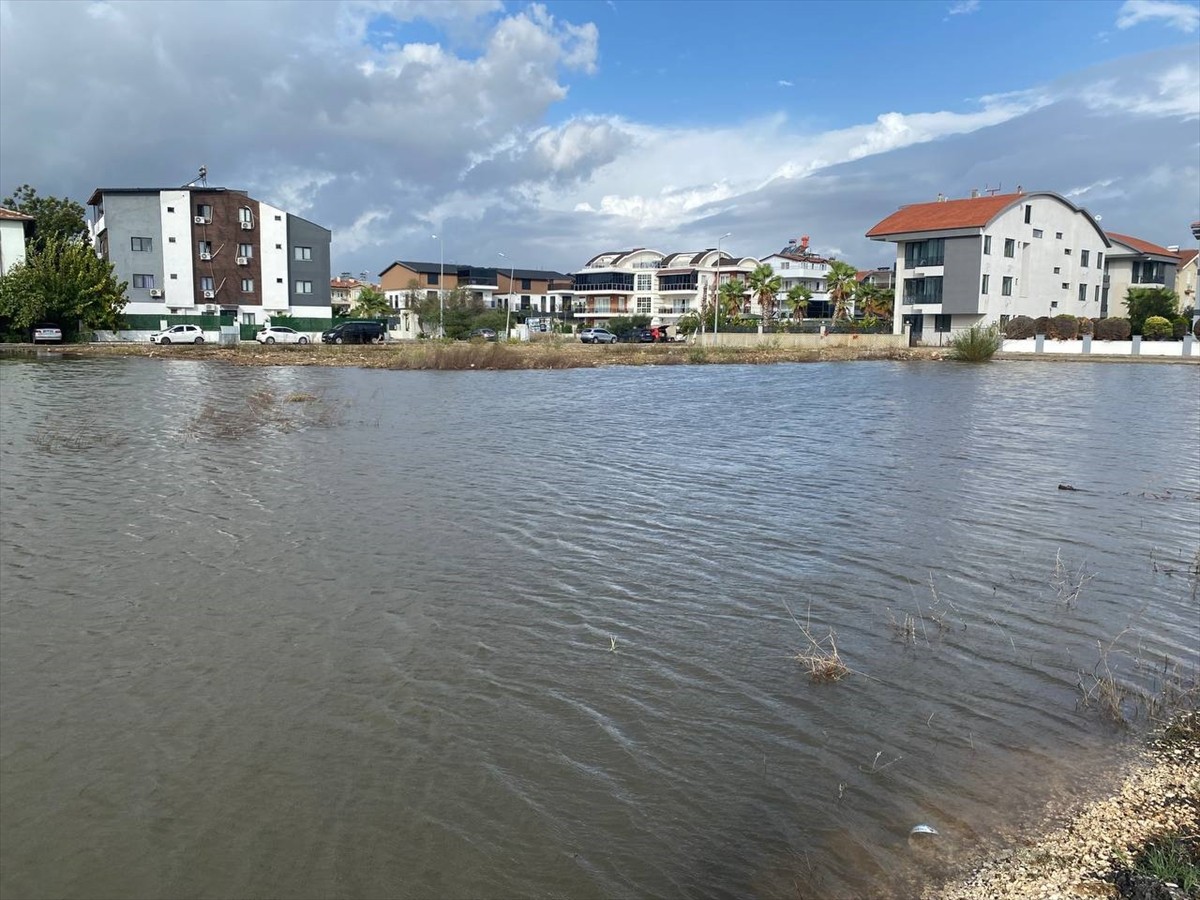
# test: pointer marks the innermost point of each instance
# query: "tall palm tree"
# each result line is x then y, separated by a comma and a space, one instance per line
874, 300
841, 283
798, 296
732, 294
765, 285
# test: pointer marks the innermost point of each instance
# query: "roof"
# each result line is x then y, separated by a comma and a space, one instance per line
1186, 256
1141, 246
14, 216
423, 267
975, 212
94, 200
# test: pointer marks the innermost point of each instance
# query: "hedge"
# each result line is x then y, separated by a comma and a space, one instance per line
1113, 328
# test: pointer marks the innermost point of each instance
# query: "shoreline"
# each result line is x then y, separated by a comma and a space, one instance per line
462, 356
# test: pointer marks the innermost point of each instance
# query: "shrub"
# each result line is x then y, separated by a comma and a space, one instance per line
1064, 328
1196, 328
1086, 325
1041, 325
978, 343
1113, 328
1143, 303
1179, 327
1019, 327
1156, 328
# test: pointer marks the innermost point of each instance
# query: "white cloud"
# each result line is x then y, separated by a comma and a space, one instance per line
1183, 16
1173, 92
963, 7
783, 83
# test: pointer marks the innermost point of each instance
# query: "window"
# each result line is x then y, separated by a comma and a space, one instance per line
279, 246
204, 247
303, 287
1054, 304
1066, 251
785, 265
1097, 293
247, 318
1099, 260
1083, 293
1037, 232
143, 281
1058, 235
924, 253
984, 289
279, 218
1010, 247
305, 253
170, 240
244, 215
204, 211
206, 283
1028, 212
923, 290
987, 244
1006, 286
643, 305
1083, 258
246, 250
1066, 285
643, 282
170, 209
174, 277
279, 281
248, 287
525, 284
941, 323
141, 244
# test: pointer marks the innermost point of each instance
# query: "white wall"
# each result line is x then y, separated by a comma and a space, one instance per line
1105, 348
178, 291
12, 244
274, 262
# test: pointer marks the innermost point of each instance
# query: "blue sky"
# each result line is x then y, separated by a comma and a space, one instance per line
555, 131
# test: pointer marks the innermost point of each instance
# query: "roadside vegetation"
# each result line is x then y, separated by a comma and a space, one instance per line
979, 343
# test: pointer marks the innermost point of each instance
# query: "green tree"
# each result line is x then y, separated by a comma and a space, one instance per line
798, 297
53, 217
733, 295
765, 285
62, 280
873, 300
841, 283
1146, 302
459, 307
371, 304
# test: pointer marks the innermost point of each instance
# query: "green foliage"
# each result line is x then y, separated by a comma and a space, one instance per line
1173, 859
623, 325
841, 285
1156, 328
459, 307
765, 285
1179, 327
798, 297
689, 323
873, 301
62, 280
54, 217
1063, 328
978, 343
371, 304
733, 295
1143, 303
1019, 327
1114, 328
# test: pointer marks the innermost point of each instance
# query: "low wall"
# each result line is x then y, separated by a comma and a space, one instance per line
1187, 347
803, 341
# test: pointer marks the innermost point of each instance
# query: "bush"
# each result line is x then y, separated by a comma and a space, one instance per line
1144, 303
978, 343
1179, 327
1019, 327
1086, 325
1156, 328
1196, 328
1041, 325
1113, 328
1064, 328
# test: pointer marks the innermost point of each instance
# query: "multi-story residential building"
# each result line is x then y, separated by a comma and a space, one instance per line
1133, 262
344, 291
987, 259
664, 286
15, 228
496, 287
796, 265
1185, 280
202, 250
883, 278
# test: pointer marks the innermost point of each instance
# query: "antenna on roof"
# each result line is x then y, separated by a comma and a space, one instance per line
992, 191
202, 178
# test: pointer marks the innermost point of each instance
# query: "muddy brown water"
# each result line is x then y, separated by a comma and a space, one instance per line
527, 633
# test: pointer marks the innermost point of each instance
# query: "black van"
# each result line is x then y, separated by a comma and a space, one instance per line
358, 331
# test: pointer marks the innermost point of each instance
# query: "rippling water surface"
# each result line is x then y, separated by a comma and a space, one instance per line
527, 633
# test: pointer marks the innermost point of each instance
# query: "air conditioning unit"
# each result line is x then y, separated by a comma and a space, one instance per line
211, 308
243, 260
200, 220
209, 295
156, 293
205, 256
247, 226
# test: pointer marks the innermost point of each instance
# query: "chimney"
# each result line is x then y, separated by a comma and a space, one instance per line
1174, 248
974, 193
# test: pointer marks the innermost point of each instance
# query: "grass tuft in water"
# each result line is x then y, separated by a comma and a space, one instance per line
979, 343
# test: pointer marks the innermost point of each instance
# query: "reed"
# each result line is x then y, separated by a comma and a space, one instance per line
979, 343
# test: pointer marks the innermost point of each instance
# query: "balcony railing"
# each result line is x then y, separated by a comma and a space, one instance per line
620, 287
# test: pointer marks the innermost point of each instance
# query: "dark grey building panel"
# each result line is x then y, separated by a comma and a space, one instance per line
129, 217
308, 262
961, 283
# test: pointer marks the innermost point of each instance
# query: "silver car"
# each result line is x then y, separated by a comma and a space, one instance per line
597, 336
46, 333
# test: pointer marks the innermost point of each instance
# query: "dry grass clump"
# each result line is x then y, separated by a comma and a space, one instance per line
1067, 584
820, 657
83, 436
264, 409
1172, 690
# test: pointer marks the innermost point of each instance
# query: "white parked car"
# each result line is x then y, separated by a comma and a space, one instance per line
279, 334
47, 332
179, 334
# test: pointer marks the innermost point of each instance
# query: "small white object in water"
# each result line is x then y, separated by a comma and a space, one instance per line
612, 643
923, 829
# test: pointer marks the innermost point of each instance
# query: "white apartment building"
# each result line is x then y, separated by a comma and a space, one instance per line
663, 286
14, 229
796, 265
987, 259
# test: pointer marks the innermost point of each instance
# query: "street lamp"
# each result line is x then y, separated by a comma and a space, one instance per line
441, 281
508, 302
717, 301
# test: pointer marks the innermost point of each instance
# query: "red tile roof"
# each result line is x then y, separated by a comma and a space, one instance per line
14, 215
1186, 256
975, 212
1140, 245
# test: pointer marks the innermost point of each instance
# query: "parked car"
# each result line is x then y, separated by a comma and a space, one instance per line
639, 336
46, 332
280, 334
179, 334
482, 334
597, 336
356, 332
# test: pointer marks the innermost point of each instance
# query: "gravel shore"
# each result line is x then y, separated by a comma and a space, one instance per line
1156, 794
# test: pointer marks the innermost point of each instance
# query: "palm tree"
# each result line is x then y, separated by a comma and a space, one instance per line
841, 283
798, 296
874, 300
765, 285
732, 294
372, 304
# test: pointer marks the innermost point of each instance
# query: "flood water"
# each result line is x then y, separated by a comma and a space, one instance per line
302, 632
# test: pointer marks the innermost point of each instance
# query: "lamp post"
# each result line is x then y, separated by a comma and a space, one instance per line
508, 302
441, 280
717, 299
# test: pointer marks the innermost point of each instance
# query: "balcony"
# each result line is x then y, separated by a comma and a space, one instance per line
611, 286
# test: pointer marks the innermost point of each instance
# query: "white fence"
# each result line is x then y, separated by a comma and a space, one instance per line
1088, 347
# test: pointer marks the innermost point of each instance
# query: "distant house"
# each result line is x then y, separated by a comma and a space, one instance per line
15, 229
1185, 280
798, 266
987, 259
1133, 262
344, 291
496, 287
